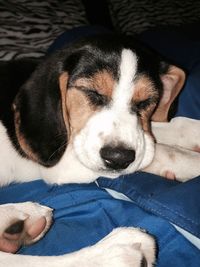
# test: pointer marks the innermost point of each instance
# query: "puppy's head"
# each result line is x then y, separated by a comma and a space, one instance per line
96, 99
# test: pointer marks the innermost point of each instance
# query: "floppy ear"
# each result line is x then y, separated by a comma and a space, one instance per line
40, 119
173, 81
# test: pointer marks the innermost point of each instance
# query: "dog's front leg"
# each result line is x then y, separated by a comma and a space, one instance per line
177, 149
123, 247
180, 131
175, 163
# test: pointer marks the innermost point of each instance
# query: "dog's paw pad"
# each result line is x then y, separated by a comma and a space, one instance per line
15, 228
144, 262
169, 175
36, 229
26, 224
196, 149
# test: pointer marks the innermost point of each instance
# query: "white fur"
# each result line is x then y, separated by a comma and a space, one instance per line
68, 170
16, 168
27, 211
115, 125
176, 141
13, 166
182, 132
183, 163
123, 247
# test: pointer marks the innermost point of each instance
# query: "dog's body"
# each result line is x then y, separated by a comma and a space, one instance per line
84, 113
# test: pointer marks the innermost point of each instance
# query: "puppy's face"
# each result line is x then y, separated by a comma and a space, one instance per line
109, 105
89, 107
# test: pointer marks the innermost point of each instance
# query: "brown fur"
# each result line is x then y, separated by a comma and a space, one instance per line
143, 90
102, 82
21, 139
63, 79
79, 109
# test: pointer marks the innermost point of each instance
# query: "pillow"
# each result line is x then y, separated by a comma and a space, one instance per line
29, 27
135, 16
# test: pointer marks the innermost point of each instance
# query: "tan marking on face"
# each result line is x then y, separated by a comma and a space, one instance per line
21, 139
143, 90
75, 107
102, 82
79, 110
63, 79
145, 116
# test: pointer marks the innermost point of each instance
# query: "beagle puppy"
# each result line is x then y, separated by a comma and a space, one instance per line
86, 112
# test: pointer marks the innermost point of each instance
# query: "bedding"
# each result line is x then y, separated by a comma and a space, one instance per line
136, 16
83, 214
27, 28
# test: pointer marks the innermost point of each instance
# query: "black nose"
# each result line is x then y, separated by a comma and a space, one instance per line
117, 157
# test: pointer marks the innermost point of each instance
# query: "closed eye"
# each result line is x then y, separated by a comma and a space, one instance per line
95, 98
143, 104
138, 106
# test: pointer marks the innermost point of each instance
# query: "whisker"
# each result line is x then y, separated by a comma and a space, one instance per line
59, 135
57, 150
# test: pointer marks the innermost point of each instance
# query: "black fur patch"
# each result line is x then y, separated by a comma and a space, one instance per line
42, 124
12, 76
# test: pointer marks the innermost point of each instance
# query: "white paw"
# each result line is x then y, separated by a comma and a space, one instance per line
175, 163
187, 131
124, 247
23, 224
180, 131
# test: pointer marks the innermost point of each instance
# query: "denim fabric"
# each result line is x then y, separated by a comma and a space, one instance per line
86, 213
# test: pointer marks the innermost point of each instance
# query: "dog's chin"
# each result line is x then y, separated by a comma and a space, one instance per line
113, 174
